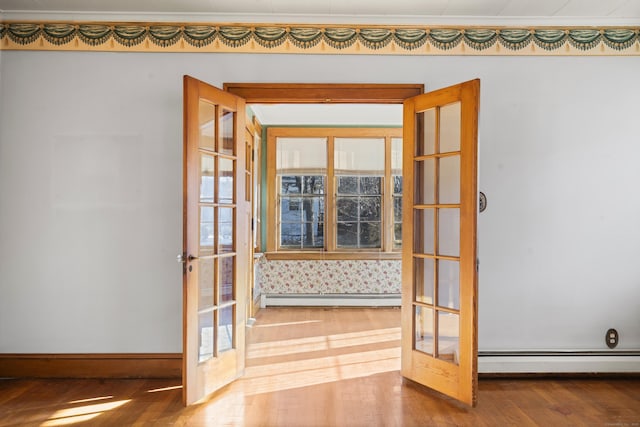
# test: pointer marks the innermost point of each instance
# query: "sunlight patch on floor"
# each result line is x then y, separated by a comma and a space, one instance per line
363, 338
92, 399
156, 390
280, 348
269, 378
81, 413
320, 343
271, 325
69, 420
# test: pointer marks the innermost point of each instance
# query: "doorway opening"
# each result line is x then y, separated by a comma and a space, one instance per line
341, 106
367, 339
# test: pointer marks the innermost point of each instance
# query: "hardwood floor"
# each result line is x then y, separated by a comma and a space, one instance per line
321, 367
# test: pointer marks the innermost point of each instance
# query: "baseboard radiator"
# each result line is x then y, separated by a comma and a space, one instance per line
330, 300
559, 362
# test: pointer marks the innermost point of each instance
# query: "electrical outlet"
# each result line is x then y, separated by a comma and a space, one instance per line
611, 338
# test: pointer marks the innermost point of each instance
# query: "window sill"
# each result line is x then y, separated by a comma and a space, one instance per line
304, 255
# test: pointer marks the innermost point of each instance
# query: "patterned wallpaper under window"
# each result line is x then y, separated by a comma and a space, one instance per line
329, 277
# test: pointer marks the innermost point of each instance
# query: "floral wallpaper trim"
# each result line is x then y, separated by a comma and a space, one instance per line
329, 277
292, 38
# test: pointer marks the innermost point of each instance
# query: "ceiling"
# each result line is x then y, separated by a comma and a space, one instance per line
329, 10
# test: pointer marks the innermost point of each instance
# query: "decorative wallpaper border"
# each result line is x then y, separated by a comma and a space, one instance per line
185, 37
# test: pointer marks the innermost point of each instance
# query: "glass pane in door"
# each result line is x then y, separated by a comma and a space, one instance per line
448, 336
426, 140
450, 116
449, 182
226, 132
226, 265
207, 178
225, 328
423, 321
225, 180
207, 125
449, 232
424, 226
425, 171
206, 275
423, 279
225, 230
449, 284
205, 336
206, 229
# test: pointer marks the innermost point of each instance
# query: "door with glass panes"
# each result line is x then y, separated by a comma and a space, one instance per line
439, 293
216, 239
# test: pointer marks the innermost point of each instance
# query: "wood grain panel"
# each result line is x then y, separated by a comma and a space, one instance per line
92, 365
266, 93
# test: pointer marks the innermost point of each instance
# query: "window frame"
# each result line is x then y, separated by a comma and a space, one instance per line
254, 159
330, 250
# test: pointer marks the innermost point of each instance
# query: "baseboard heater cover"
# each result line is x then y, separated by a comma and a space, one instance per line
558, 362
331, 300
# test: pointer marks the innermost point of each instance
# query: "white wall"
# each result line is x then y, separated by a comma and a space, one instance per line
90, 192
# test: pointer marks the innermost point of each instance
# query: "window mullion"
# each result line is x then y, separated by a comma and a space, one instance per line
359, 214
272, 194
387, 199
330, 201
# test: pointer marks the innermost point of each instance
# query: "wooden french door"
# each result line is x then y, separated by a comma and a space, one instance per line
439, 290
216, 241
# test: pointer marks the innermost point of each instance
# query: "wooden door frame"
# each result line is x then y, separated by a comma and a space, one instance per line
322, 93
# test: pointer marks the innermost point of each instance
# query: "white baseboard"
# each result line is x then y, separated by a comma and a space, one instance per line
330, 300
579, 362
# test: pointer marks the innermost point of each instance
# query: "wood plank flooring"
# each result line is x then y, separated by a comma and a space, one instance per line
321, 367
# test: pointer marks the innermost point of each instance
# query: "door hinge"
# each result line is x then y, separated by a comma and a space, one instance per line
477, 265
